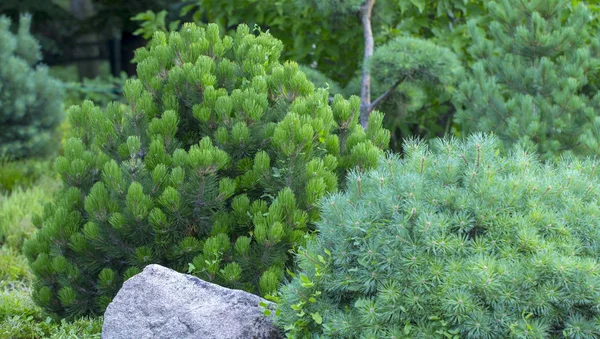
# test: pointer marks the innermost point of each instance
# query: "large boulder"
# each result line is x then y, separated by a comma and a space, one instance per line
162, 303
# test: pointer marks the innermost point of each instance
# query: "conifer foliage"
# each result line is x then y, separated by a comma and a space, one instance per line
528, 83
215, 166
30, 100
453, 241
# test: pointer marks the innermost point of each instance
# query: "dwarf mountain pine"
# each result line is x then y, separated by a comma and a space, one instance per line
214, 166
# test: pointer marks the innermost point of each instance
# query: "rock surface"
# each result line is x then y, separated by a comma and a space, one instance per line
162, 303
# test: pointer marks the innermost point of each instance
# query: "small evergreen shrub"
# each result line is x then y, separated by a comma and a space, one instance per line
453, 241
30, 100
215, 166
425, 74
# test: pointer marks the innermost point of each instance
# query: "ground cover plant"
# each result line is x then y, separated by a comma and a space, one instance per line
453, 240
215, 167
18, 206
22, 173
20, 317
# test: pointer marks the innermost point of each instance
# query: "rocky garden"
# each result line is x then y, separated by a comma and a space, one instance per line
300, 169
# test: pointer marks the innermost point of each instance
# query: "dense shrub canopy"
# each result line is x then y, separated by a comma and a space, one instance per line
30, 100
215, 165
454, 239
529, 83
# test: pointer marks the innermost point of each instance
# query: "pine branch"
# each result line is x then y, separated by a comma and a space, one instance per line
386, 94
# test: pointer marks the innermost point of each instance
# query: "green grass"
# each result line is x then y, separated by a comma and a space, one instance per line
21, 173
20, 317
18, 206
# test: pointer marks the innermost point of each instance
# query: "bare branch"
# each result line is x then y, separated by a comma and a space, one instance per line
386, 94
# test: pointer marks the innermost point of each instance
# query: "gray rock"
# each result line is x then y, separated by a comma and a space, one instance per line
162, 303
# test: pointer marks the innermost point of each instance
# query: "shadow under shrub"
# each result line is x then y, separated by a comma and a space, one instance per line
453, 240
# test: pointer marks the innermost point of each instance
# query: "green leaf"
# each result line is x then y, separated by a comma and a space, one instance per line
191, 268
317, 318
420, 4
305, 282
407, 328
173, 25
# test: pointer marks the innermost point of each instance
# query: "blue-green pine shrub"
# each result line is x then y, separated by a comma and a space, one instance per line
454, 240
30, 100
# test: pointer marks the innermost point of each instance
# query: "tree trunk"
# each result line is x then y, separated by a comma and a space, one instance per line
365, 91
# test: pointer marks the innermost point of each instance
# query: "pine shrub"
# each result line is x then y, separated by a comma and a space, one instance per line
30, 100
533, 76
426, 74
215, 166
453, 241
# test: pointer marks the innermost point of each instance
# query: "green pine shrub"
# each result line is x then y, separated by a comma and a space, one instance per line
425, 74
30, 100
533, 78
215, 166
453, 241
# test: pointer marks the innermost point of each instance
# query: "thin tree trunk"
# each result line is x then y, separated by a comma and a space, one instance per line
365, 92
